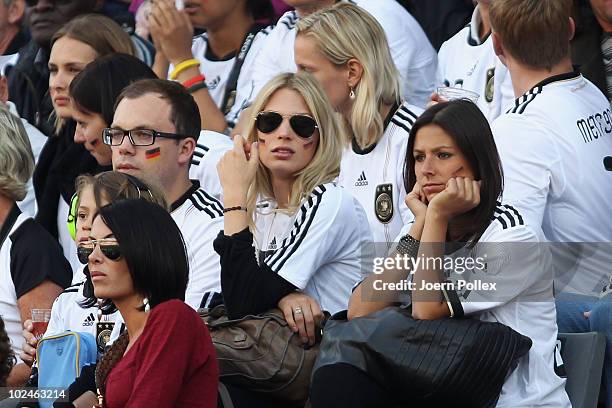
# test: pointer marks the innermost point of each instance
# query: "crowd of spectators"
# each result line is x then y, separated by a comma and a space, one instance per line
158, 157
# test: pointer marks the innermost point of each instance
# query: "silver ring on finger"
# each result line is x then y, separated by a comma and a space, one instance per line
297, 310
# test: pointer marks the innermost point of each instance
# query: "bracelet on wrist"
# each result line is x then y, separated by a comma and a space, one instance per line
194, 80
408, 246
191, 62
197, 87
236, 208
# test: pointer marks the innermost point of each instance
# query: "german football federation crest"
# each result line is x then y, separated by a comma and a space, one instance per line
383, 202
103, 333
490, 85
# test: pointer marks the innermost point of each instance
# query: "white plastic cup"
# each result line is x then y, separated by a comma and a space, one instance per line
450, 94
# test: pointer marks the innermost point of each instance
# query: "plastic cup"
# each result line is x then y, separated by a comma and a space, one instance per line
40, 321
449, 93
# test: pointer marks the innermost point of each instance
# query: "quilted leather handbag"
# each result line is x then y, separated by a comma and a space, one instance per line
458, 362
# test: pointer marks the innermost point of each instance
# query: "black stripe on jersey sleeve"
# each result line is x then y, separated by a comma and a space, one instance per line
213, 202
203, 147
207, 204
309, 211
405, 117
516, 213
400, 124
198, 154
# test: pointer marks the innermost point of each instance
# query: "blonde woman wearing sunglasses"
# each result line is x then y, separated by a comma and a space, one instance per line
292, 237
280, 198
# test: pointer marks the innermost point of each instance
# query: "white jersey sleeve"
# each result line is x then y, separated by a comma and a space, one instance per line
211, 146
531, 164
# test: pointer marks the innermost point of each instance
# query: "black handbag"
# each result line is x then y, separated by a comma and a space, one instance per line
458, 362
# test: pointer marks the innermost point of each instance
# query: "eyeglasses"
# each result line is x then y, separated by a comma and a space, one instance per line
303, 125
137, 137
110, 250
32, 3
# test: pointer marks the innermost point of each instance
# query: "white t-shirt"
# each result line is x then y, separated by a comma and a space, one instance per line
466, 62
217, 72
28, 256
67, 314
412, 52
199, 216
37, 141
518, 262
210, 148
376, 177
552, 145
318, 248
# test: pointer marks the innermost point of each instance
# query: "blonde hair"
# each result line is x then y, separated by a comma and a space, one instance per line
346, 31
16, 158
99, 32
535, 32
325, 164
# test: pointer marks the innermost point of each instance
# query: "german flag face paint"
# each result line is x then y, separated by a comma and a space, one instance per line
153, 154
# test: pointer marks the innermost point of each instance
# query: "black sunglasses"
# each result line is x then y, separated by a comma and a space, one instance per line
111, 251
303, 125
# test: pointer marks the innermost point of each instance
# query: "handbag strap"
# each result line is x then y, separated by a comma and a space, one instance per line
224, 396
229, 96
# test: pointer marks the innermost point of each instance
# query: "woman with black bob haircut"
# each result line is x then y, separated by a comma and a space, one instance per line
94, 92
454, 178
137, 258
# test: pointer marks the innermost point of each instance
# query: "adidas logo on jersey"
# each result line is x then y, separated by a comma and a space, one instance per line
89, 320
362, 180
272, 245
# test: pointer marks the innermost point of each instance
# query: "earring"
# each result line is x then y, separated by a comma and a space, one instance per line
352, 93
100, 302
145, 303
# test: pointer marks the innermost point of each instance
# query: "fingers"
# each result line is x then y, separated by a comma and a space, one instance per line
239, 143
306, 324
254, 153
287, 310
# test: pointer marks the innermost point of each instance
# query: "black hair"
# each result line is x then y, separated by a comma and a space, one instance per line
152, 246
464, 122
95, 89
261, 10
184, 112
7, 358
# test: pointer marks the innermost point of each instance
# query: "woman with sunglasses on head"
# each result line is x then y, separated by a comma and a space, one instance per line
77, 308
346, 49
73, 47
138, 260
454, 176
292, 238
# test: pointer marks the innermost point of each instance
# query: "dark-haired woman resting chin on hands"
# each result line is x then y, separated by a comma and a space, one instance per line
454, 176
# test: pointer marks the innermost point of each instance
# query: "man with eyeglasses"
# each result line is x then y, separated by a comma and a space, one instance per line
153, 137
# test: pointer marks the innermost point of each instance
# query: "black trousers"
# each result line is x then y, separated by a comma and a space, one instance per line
344, 386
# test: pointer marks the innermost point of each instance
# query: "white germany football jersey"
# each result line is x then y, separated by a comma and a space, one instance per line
318, 248
217, 73
210, 148
465, 62
553, 144
519, 264
199, 216
68, 314
375, 176
412, 52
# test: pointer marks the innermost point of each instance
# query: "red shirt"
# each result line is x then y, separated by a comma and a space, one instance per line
172, 364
